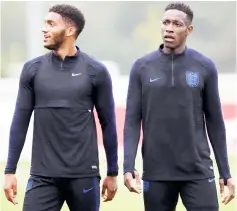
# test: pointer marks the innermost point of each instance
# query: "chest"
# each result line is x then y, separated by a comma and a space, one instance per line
70, 84
172, 74
174, 81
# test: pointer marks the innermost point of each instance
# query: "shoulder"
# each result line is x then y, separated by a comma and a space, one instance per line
144, 60
31, 66
205, 61
36, 61
95, 66
147, 58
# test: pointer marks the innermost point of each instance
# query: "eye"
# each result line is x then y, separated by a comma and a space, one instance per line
165, 22
177, 24
51, 24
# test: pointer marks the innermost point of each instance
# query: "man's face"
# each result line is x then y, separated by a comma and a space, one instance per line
54, 31
175, 28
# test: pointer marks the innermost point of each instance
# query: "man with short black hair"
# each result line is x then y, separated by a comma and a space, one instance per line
173, 92
62, 87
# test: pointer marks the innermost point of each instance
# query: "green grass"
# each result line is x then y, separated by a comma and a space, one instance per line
123, 201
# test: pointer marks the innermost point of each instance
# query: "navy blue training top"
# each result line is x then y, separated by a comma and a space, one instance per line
175, 98
62, 95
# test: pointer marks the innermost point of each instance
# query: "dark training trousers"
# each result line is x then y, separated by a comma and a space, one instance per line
198, 195
49, 194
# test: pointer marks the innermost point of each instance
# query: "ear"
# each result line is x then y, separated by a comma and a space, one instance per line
189, 30
71, 31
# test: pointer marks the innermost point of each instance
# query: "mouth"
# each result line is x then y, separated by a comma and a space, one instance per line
169, 38
46, 37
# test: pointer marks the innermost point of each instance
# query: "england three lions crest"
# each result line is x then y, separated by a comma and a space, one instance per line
192, 78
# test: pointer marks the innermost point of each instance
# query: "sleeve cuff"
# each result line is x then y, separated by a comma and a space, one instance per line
10, 171
112, 173
132, 172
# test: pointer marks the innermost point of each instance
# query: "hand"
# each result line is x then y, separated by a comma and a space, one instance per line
109, 188
231, 187
10, 188
128, 182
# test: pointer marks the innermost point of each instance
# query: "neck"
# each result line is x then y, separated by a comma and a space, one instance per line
178, 50
66, 50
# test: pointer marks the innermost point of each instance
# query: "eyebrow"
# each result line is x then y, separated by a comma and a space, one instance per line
48, 21
173, 20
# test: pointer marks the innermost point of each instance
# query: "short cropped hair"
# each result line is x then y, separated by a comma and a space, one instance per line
181, 7
71, 14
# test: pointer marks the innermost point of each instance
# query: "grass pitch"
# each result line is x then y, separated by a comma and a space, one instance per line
124, 200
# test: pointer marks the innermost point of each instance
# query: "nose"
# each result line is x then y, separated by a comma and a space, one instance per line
169, 28
44, 29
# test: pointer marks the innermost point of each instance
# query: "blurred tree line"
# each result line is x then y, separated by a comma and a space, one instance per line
123, 31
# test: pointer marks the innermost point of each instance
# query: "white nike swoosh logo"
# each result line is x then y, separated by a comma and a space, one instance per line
76, 74
152, 80
211, 179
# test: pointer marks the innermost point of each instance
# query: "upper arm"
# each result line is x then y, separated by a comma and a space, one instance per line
103, 95
25, 96
212, 104
134, 94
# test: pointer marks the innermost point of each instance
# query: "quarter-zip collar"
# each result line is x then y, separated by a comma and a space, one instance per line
171, 57
68, 60
66, 57
174, 56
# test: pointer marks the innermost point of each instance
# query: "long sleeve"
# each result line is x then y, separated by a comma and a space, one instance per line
132, 126
215, 122
104, 104
20, 122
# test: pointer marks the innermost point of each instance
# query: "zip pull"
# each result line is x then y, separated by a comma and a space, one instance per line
61, 65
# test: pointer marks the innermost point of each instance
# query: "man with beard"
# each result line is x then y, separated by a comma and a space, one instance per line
173, 92
62, 87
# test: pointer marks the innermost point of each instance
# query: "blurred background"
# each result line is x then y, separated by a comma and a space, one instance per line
116, 33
